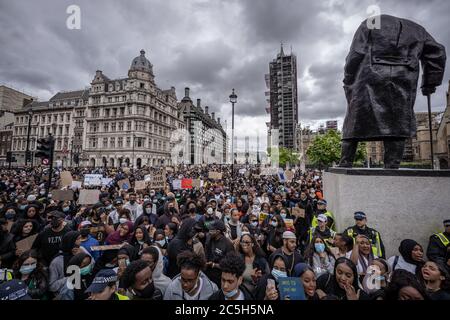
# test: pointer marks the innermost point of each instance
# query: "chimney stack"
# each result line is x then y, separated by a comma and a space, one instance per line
186, 92
199, 103
206, 109
212, 115
218, 120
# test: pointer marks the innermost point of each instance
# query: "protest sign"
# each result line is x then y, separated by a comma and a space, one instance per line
62, 195
66, 178
124, 184
289, 174
157, 181
262, 216
106, 181
176, 184
147, 178
291, 288
186, 184
76, 184
197, 183
93, 179
88, 196
140, 185
215, 175
25, 244
289, 223
242, 171
107, 247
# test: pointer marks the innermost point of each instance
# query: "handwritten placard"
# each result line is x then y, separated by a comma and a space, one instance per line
93, 179
88, 196
66, 179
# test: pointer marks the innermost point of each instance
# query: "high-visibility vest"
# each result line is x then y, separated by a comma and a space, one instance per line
121, 296
376, 247
315, 222
445, 241
312, 230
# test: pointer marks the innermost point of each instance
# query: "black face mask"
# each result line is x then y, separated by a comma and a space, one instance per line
147, 292
192, 210
132, 201
55, 223
172, 210
84, 232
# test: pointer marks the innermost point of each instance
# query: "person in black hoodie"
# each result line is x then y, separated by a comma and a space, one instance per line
147, 211
48, 241
232, 269
183, 241
7, 246
264, 289
170, 215
84, 262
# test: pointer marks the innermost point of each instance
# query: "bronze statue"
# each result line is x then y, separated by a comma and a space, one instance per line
381, 75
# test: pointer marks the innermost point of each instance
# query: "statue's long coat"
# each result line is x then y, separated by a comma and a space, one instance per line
381, 75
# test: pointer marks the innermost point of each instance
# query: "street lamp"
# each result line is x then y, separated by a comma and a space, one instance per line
27, 153
233, 100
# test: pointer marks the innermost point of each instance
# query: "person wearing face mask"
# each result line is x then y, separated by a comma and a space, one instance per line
48, 241
149, 211
133, 206
156, 261
275, 233
267, 287
410, 258
32, 212
87, 241
319, 256
140, 239
208, 218
289, 251
191, 283
84, 262
113, 216
233, 225
138, 283
29, 269
322, 230
170, 215
217, 246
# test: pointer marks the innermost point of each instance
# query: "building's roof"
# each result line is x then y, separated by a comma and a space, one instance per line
69, 95
141, 63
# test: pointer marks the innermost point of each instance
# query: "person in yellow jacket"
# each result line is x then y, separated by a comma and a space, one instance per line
439, 246
104, 287
322, 209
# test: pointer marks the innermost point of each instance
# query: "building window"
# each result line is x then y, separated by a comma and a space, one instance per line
129, 125
68, 117
112, 143
120, 126
120, 142
106, 127
113, 126
105, 142
128, 142
107, 112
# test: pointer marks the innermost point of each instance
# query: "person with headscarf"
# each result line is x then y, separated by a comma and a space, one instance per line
183, 241
70, 246
140, 239
411, 257
308, 279
267, 287
84, 261
343, 284
122, 234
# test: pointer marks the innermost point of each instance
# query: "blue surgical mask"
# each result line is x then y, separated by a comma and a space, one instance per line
254, 224
10, 215
86, 270
162, 243
65, 209
273, 223
22, 207
230, 294
380, 278
283, 215
320, 247
27, 269
278, 274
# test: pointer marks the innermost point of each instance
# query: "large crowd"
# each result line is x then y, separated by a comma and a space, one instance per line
231, 238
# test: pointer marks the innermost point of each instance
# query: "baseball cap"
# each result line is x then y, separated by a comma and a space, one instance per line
31, 198
85, 223
217, 225
57, 214
101, 280
14, 290
289, 235
118, 201
359, 215
323, 218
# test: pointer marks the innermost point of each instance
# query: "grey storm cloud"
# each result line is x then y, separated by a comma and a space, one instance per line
209, 46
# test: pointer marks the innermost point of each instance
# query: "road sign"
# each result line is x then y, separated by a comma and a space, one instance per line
45, 161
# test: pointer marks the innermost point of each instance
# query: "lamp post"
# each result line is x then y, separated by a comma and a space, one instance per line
233, 100
27, 153
71, 152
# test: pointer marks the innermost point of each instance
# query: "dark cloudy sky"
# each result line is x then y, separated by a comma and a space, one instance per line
210, 46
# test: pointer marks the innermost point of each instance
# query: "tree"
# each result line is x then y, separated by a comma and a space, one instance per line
326, 149
285, 156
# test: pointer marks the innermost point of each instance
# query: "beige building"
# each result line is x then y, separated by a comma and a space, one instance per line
443, 137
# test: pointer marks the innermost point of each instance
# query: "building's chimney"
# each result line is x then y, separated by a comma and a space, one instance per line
218, 120
212, 115
186, 92
206, 109
98, 72
199, 103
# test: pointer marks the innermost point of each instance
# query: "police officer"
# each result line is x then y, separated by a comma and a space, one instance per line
322, 230
439, 246
322, 209
361, 228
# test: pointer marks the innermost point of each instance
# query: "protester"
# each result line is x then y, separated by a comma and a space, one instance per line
319, 257
309, 280
411, 257
138, 282
155, 259
289, 251
436, 280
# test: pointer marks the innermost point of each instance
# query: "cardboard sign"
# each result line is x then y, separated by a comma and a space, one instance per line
140, 185
148, 178
186, 184
88, 196
242, 171
157, 181
170, 169
106, 181
291, 288
76, 185
298, 212
197, 183
93, 179
66, 178
124, 184
215, 175
25, 244
289, 223
269, 171
107, 247
126, 170
62, 195
289, 174
176, 184
255, 176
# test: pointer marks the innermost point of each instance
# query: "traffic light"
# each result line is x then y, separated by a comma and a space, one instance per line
45, 149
